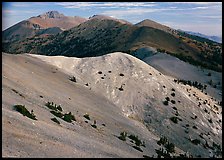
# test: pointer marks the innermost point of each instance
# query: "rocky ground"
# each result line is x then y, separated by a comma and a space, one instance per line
119, 93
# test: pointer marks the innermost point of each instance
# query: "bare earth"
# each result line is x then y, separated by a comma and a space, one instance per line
137, 109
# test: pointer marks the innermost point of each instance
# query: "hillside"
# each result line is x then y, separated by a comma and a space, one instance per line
40, 24
153, 24
101, 89
100, 35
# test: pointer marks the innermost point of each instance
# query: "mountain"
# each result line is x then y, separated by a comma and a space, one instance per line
153, 24
103, 17
111, 95
100, 35
212, 38
44, 23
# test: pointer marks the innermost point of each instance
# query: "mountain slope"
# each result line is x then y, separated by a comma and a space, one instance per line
101, 35
212, 38
31, 82
34, 25
138, 104
153, 24
140, 91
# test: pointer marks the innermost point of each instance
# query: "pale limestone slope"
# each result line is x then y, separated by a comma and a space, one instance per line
144, 90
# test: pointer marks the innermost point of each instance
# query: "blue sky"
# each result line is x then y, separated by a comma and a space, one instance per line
203, 17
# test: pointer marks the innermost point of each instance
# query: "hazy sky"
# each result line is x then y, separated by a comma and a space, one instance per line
203, 17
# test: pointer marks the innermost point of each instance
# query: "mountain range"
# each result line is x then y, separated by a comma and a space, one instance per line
100, 34
213, 38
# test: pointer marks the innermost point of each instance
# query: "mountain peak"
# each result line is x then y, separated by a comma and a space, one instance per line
51, 14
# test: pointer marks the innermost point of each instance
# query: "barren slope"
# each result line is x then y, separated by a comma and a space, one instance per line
174, 67
117, 90
140, 90
25, 79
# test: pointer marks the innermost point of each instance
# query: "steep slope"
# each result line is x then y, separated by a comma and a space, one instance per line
31, 26
28, 81
140, 92
170, 65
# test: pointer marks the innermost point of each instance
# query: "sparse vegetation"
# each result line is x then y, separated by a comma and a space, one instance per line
190, 83
167, 98
51, 105
163, 140
174, 108
174, 119
87, 116
165, 103
57, 114
22, 109
169, 148
55, 120
121, 88
73, 79
196, 141
123, 136
68, 117
137, 148
94, 124
172, 101
210, 120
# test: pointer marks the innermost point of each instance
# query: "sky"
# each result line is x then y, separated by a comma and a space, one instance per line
202, 17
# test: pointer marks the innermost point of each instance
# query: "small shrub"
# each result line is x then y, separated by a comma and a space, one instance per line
123, 136
173, 94
194, 127
165, 103
86, 116
209, 74
196, 141
69, 117
21, 109
121, 89
99, 72
174, 119
163, 140
121, 74
135, 138
210, 120
172, 101
57, 114
167, 98
137, 148
109, 71
51, 105
94, 126
170, 147
55, 120
174, 108
59, 108
73, 79
173, 89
